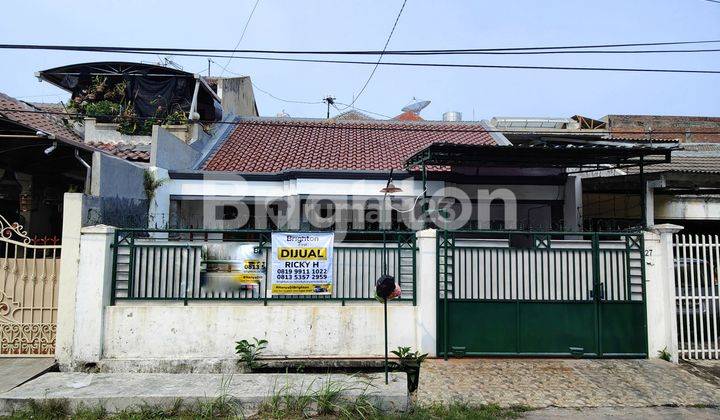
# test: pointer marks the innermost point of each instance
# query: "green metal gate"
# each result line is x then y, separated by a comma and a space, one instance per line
541, 294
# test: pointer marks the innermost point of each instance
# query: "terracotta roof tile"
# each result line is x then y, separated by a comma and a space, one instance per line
275, 145
132, 152
408, 116
49, 123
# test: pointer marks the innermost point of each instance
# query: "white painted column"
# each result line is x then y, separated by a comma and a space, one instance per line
573, 203
650, 200
159, 207
92, 293
70, 257
660, 290
427, 291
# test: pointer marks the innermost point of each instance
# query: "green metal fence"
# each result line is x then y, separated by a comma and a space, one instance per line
165, 264
541, 293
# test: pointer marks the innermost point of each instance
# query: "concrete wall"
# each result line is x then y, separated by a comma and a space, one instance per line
94, 131
237, 97
170, 152
115, 211
660, 291
294, 329
161, 333
115, 177
70, 263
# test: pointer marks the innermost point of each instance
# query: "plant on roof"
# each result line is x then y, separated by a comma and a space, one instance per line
109, 103
176, 117
103, 111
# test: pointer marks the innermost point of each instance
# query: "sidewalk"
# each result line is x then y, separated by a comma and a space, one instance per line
563, 383
119, 391
17, 370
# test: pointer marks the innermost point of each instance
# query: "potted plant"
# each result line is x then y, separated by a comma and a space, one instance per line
409, 362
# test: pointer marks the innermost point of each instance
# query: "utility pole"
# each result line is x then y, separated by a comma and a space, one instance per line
329, 100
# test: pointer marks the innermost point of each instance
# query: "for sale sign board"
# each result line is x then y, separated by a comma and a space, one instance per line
301, 263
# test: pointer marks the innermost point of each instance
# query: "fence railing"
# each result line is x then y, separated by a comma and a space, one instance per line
541, 266
166, 265
697, 295
29, 274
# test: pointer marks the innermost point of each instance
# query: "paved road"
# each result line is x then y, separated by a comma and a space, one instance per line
654, 413
564, 383
17, 370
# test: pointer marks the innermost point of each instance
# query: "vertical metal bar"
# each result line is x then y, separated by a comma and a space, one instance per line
574, 275
167, 274
517, 298
697, 319
596, 293
679, 298
686, 280
113, 285
131, 269
700, 296
715, 267
144, 266
414, 268
386, 340
709, 311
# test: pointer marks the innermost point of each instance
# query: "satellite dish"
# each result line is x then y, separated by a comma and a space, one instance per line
416, 106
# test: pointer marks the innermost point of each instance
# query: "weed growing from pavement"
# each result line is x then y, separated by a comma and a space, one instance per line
327, 401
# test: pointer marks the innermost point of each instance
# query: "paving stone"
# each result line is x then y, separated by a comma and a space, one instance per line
563, 383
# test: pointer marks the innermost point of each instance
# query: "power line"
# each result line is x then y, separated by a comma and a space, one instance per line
364, 110
169, 50
372, 73
485, 66
284, 100
429, 125
242, 35
291, 101
450, 65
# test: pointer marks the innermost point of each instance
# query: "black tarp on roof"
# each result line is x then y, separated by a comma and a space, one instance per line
149, 86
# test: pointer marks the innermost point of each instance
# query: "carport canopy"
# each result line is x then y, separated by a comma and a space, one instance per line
579, 157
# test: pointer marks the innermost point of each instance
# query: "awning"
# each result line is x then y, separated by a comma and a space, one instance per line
539, 156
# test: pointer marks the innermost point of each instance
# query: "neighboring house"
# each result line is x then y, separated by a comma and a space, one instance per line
686, 192
352, 115
686, 129
122, 101
41, 157
408, 116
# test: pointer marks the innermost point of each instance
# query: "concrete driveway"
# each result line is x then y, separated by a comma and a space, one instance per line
564, 383
17, 370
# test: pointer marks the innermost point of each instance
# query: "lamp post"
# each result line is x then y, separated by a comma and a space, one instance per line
382, 287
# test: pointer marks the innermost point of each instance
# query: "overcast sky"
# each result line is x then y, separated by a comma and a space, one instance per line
335, 24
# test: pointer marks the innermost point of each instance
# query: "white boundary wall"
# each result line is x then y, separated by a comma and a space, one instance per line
92, 331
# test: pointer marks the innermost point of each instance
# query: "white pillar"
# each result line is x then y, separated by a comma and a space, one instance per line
573, 203
70, 257
650, 200
660, 290
159, 207
426, 284
92, 293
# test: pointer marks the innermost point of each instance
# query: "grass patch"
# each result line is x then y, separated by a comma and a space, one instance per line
327, 405
460, 411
